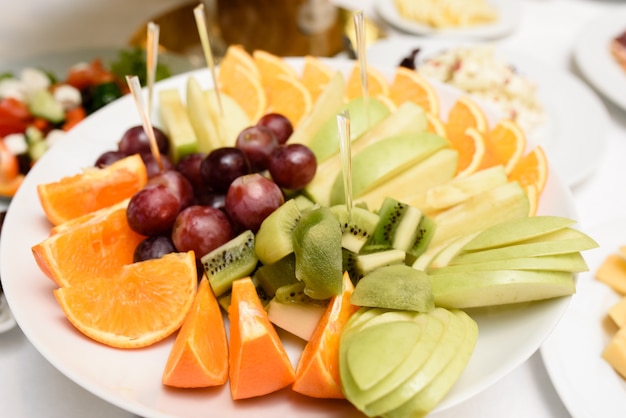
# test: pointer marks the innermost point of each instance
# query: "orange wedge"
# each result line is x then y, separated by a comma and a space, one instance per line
465, 113
317, 373
531, 169
245, 87
435, 125
471, 149
93, 189
376, 83
140, 305
199, 356
408, 85
506, 144
271, 66
236, 55
290, 98
315, 76
98, 245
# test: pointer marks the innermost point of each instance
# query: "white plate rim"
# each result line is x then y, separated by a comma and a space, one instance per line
594, 59
572, 353
581, 121
126, 389
509, 16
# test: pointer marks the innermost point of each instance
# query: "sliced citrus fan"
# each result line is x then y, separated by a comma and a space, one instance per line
532, 169
236, 55
271, 66
471, 149
377, 84
315, 75
463, 114
97, 247
199, 356
245, 87
92, 189
408, 85
141, 305
506, 144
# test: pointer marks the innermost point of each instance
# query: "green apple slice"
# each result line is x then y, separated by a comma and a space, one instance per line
471, 289
428, 398
445, 351
200, 117
571, 262
233, 121
177, 124
517, 230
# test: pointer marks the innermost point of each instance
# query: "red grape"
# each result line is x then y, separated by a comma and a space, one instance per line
279, 124
201, 229
177, 183
109, 158
152, 167
135, 141
292, 166
189, 166
222, 166
152, 210
250, 199
257, 142
155, 246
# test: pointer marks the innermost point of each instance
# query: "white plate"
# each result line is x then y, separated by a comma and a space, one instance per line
574, 137
131, 379
509, 15
593, 56
588, 386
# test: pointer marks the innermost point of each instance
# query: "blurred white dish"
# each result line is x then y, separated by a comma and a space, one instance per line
588, 385
509, 15
574, 136
593, 56
131, 379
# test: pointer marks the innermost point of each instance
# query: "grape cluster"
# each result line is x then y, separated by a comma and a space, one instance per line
204, 200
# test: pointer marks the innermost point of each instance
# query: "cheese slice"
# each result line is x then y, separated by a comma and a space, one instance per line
617, 313
612, 272
615, 352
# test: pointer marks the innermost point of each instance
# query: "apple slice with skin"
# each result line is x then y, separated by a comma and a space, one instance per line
428, 398
517, 230
570, 262
434, 170
445, 351
566, 240
234, 120
471, 289
384, 159
496, 205
199, 113
177, 124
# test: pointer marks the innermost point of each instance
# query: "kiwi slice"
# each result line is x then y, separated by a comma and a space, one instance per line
273, 276
230, 261
357, 227
274, 238
317, 247
401, 226
294, 293
366, 263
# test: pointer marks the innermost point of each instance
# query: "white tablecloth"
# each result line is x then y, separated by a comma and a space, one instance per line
31, 388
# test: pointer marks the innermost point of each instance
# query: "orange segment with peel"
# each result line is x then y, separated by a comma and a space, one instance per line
142, 304
290, 98
471, 149
97, 246
408, 85
377, 84
92, 189
245, 87
465, 113
199, 356
531, 169
315, 76
506, 144
236, 55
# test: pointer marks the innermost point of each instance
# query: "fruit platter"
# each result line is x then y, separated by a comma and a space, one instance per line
130, 372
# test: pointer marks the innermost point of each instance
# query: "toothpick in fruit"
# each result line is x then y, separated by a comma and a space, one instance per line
135, 90
359, 29
343, 123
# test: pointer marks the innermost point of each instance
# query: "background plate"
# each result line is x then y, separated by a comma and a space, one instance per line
587, 385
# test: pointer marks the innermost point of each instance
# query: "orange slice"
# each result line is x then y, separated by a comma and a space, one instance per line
471, 149
96, 245
236, 55
506, 144
317, 373
93, 189
376, 83
142, 304
531, 169
408, 85
199, 356
465, 113
271, 66
245, 87
315, 76
290, 98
